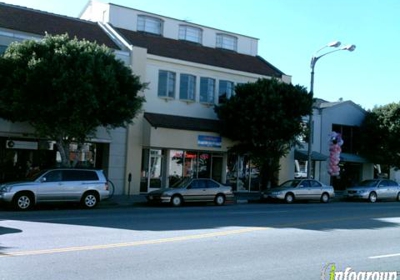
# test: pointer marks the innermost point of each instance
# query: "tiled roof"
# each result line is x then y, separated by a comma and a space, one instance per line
180, 122
187, 51
38, 22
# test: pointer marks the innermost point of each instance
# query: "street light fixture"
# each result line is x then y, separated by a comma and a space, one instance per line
314, 59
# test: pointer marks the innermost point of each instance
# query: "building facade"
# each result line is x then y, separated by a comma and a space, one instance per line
21, 152
188, 68
344, 118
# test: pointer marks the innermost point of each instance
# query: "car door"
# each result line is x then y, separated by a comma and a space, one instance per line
196, 191
51, 187
74, 184
303, 190
316, 189
392, 189
383, 189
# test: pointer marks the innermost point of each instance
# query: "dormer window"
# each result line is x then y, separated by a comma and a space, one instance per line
190, 33
149, 24
2, 49
228, 42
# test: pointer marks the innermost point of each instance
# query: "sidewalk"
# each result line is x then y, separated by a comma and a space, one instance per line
140, 199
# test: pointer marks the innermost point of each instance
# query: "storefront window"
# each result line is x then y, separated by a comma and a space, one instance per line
242, 174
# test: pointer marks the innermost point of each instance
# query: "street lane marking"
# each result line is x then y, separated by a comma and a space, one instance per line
184, 238
385, 256
132, 244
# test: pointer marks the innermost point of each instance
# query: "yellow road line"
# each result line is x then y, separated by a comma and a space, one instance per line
132, 244
178, 238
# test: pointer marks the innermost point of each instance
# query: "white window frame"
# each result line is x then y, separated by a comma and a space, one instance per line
187, 87
167, 84
190, 33
150, 24
225, 41
207, 90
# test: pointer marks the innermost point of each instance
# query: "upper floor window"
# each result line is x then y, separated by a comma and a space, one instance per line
228, 42
190, 33
149, 24
207, 90
3, 49
187, 87
225, 91
350, 136
166, 84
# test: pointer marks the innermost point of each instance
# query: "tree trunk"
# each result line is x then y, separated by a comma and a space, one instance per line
63, 149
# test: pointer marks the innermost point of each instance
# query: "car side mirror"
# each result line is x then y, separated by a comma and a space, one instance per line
189, 187
43, 180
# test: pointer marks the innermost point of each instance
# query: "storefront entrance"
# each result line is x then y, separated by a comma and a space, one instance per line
164, 167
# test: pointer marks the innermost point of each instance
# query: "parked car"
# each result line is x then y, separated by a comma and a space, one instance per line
192, 190
301, 189
57, 185
374, 189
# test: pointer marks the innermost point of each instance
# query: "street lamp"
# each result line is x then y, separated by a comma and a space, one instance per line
314, 59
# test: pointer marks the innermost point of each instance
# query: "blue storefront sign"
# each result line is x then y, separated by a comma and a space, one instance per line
209, 141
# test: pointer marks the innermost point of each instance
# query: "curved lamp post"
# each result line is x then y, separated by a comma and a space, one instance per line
314, 59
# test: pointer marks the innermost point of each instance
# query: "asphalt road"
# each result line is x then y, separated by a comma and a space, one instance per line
238, 241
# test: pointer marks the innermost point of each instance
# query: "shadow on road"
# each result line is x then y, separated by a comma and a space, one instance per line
305, 216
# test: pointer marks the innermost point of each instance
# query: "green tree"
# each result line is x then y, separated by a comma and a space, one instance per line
264, 118
380, 135
66, 88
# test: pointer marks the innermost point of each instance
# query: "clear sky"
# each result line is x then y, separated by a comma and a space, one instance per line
290, 32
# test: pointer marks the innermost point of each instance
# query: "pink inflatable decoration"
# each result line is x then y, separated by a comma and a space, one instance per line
335, 142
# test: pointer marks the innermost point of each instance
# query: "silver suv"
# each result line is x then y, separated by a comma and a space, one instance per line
88, 187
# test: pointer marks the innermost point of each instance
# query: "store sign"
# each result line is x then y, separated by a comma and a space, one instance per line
25, 145
209, 141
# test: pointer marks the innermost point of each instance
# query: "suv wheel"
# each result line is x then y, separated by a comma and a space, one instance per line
89, 200
23, 201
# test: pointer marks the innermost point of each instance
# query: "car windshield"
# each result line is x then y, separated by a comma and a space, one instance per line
290, 184
182, 182
369, 183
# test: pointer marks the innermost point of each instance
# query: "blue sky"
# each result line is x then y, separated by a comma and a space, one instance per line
291, 31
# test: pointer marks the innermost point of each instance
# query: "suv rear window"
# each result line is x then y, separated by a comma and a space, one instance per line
80, 175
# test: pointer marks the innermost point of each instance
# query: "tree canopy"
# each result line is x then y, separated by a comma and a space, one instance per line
380, 134
66, 88
264, 118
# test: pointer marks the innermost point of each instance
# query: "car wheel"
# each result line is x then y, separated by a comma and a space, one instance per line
23, 201
219, 200
176, 200
289, 198
372, 197
89, 200
398, 197
325, 198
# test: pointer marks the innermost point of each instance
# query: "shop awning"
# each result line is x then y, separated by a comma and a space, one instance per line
180, 122
303, 155
352, 158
